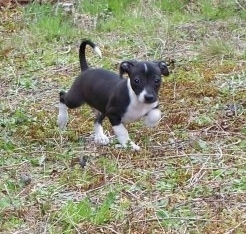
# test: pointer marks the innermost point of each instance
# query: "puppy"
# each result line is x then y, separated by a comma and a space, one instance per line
121, 100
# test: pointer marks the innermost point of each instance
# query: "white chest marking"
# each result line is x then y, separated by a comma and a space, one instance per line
136, 108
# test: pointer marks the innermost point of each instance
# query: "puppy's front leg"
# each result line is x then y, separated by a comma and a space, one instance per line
100, 137
152, 118
62, 117
123, 136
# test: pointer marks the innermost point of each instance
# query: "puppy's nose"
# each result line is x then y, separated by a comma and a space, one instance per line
149, 98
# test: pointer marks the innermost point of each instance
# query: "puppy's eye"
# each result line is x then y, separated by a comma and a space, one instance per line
136, 80
157, 81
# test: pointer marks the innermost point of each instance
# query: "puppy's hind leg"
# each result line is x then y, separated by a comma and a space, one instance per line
100, 137
62, 117
71, 100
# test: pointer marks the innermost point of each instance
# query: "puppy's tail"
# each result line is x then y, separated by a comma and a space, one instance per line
83, 63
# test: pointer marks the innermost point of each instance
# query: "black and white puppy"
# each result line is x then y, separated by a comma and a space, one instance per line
121, 100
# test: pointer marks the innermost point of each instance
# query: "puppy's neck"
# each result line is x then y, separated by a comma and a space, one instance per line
132, 94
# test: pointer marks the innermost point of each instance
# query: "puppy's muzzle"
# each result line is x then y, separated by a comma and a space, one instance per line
149, 98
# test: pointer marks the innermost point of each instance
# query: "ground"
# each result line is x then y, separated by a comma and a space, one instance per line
189, 176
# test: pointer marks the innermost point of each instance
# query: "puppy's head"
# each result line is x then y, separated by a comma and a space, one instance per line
145, 78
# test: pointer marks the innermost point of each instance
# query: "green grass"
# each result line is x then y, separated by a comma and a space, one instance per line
47, 23
189, 176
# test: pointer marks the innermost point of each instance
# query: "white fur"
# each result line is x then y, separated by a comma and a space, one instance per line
136, 108
123, 137
100, 137
62, 117
141, 96
152, 118
98, 51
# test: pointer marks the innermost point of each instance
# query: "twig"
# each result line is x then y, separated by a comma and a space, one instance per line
158, 220
176, 218
199, 174
233, 229
10, 199
111, 229
14, 165
240, 5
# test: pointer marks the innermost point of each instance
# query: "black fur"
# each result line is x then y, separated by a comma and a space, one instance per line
108, 92
82, 58
90, 84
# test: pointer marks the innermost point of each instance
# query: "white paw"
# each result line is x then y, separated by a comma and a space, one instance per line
152, 118
101, 139
134, 146
131, 145
123, 137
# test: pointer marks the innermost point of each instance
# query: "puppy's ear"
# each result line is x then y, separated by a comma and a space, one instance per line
125, 67
163, 67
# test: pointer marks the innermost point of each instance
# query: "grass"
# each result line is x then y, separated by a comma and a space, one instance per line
189, 176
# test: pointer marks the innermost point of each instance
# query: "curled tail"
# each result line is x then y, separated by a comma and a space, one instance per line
83, 63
